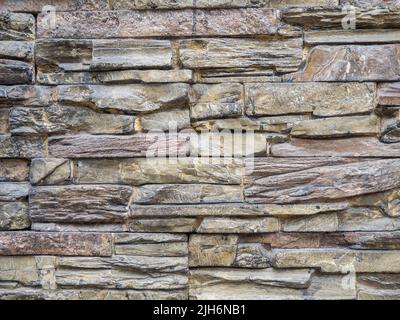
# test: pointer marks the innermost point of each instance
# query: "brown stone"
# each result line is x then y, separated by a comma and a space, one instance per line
79, 204
66, 119
325, 182
13, 170
65, 244
126, 24
351, 63
107, 146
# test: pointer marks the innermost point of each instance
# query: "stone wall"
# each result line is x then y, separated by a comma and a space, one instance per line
312, 211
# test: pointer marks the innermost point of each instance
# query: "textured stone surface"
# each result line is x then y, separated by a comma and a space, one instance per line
284, 56
13, 170
16, 26
82, 204
123, 24
353, 147
113, 146
143, 171
320, 99
14, 216
351, 63
22, 147
126, 98
196, 149
325, 182
75, 244
216, 101
65, 119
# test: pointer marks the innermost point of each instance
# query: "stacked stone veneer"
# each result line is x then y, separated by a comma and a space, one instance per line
85, 215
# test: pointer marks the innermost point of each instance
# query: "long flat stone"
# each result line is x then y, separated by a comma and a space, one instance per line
135, 23
65, 244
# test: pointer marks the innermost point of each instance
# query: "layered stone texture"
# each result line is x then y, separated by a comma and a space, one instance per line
227, 149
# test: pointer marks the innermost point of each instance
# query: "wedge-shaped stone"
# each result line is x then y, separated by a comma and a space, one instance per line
155, 170
237, 225
216, 101
338, 260
351, 63
15, 72
352, 36
169, 120
336, 127
122, 279
185, 194
60, 5
13, 170
24, 95
282, 55
127, 98
79, 204
266, 284
50, 171
16, 50
113, 146
163, 23
326, 182
14, 216
67, 244
317, 17
321, 99
140, 263
265, 167
16, 26
352, 147
172, 4
66, 119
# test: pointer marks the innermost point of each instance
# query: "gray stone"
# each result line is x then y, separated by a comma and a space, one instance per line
66, 119
320, 99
